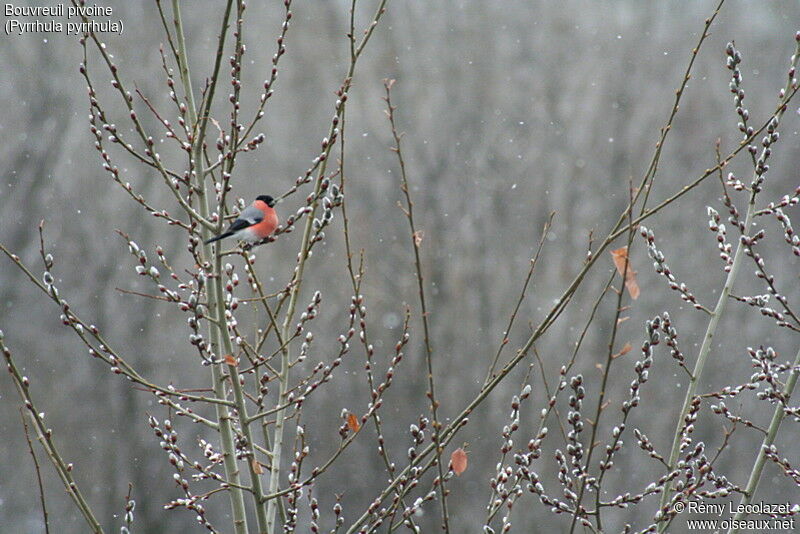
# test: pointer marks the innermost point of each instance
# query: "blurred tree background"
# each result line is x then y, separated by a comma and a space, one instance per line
511, 110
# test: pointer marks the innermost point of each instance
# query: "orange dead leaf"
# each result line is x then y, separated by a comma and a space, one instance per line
215, 122
257, 468
620, 257
352, 422
458, 461
419, 235
632, 286
623, 351
230, 360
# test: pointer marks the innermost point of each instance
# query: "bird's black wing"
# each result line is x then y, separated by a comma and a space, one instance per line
248, 217
238, 224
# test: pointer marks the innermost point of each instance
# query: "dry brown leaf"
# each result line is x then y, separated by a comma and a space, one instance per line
623, 319
419, 235
458, 461
215, 122
632, 286
230, 360
352, 422
620, 257
257, 468
623, 351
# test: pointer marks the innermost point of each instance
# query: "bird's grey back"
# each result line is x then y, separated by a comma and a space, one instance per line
252, 215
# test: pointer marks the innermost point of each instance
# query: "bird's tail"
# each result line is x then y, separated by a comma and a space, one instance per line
220, 236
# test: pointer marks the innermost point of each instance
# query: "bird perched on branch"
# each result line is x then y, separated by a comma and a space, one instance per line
254, 223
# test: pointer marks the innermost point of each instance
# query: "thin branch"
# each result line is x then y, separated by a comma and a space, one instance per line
416, 241
45, 436
719, 309
522, 294
38, 472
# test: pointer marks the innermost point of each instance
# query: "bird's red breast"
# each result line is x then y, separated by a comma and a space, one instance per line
270, 222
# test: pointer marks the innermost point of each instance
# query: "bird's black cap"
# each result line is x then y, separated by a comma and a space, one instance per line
266, 199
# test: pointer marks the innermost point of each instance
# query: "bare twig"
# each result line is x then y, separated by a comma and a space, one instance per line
38, 472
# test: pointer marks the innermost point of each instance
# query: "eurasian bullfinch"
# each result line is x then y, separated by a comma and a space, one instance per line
255, 223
